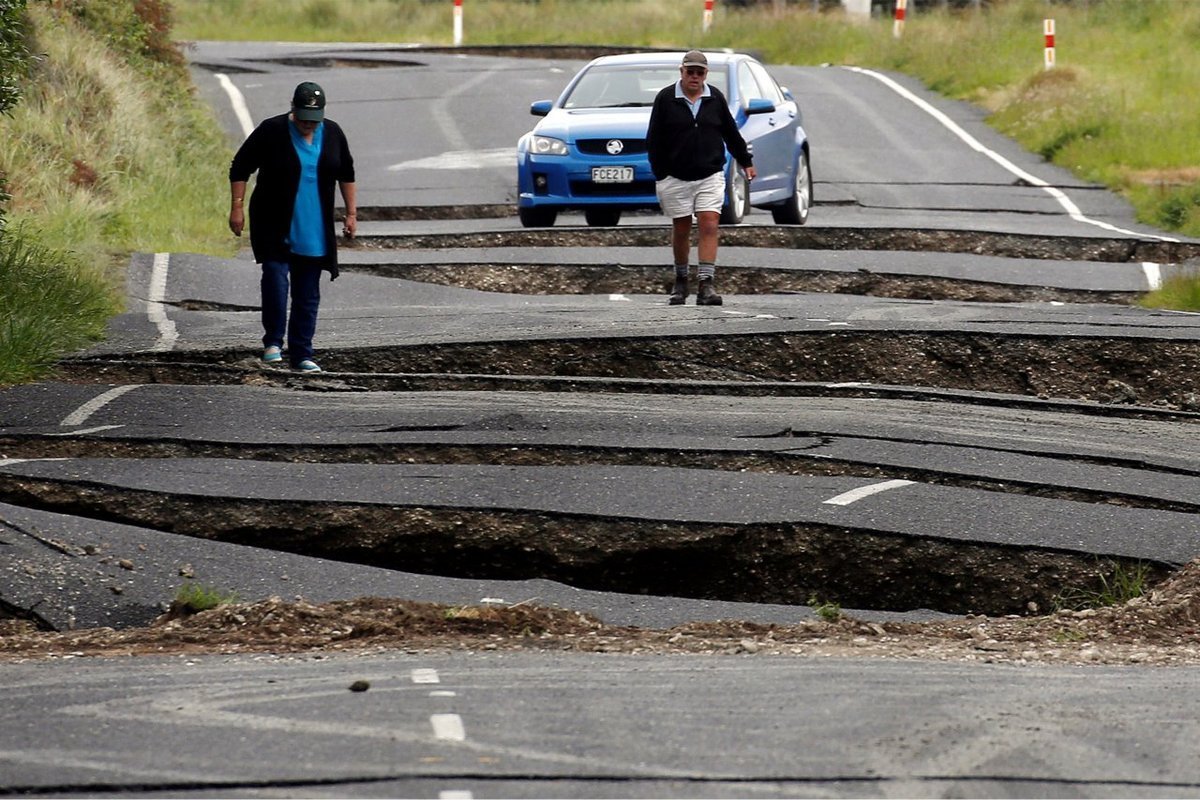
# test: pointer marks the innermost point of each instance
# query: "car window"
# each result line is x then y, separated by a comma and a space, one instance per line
748, 88
766, 84
628, 86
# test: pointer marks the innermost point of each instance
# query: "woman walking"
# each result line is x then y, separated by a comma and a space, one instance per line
298, 156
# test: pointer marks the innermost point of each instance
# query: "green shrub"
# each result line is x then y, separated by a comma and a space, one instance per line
192, 598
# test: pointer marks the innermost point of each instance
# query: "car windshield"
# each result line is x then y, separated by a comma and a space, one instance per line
629, 86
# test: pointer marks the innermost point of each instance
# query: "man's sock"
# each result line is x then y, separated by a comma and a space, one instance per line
708, 269
681, 270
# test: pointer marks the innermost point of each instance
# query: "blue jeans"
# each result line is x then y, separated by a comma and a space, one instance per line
306, 299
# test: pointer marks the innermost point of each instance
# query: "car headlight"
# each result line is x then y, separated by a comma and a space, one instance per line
545, 146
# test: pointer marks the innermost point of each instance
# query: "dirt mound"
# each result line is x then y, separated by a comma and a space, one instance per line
1159, 628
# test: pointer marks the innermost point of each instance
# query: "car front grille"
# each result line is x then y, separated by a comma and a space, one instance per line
634, 189
599, 147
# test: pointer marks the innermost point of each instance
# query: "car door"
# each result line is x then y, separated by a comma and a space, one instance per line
773, 134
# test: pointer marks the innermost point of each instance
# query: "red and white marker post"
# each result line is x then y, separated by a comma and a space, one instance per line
708, 14
458, 22
1048, 29
898, 23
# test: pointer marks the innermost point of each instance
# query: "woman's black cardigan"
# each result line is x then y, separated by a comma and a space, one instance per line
269, 151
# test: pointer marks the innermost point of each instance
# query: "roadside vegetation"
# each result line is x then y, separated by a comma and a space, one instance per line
106, 151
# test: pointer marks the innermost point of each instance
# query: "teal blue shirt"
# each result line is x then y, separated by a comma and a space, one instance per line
307, 234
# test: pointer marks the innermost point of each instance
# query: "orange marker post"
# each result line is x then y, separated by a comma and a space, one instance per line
898, 24
708, 14
458, 28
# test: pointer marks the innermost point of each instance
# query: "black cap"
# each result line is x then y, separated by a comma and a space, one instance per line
308, 102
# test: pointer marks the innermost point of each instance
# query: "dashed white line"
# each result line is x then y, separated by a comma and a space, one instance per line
81, 414
1067, 204
1153, 274
619, 298
443, 693
156, 311
455, 794
448, 727
846, 498
96, 429
425, 675
238, 102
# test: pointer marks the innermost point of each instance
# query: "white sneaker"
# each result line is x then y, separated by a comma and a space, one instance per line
307, 365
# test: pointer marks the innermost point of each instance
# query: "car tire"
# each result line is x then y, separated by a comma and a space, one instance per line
602, 217
737, 198
794, 210
537, 217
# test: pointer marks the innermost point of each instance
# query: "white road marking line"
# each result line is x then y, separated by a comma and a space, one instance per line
238, 102
1153, 275
846, 498
425, 675
156, 311
497, 158
1072, 210
619, 298
96, 429
455, 794
81, 414
4, 462
445, 120
443, 693
448, 727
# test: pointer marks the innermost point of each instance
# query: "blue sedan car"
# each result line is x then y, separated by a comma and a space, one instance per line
589, 151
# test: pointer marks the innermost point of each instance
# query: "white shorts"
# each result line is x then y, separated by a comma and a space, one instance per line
684, 198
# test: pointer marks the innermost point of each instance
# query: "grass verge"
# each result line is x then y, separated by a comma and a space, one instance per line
107, 153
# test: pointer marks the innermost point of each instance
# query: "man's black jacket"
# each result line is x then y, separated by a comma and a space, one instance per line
692, 148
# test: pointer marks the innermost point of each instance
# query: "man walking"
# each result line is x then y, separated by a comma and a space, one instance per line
690, 127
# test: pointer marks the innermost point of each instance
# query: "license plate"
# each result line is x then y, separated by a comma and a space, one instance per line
612, 174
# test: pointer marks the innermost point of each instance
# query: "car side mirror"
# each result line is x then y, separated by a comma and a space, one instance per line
760, 105
541, 108
787, 93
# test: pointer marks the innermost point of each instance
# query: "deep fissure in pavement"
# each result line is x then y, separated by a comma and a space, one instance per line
539, 279
793, 462
1120, 371
792, 564
794, 237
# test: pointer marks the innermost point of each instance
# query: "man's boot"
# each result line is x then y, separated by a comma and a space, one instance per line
705, 296
679, 291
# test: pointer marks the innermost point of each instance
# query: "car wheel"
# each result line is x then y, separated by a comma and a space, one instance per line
537, 217
602, 217
737, 198
794, 210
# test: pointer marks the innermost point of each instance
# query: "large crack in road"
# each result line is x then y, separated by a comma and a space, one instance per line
1135, 376
1144, 374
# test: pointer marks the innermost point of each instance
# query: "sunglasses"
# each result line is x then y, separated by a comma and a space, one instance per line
695, 70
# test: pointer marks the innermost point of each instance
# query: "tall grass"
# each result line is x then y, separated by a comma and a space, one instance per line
106, 153
53, 302
102, 161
